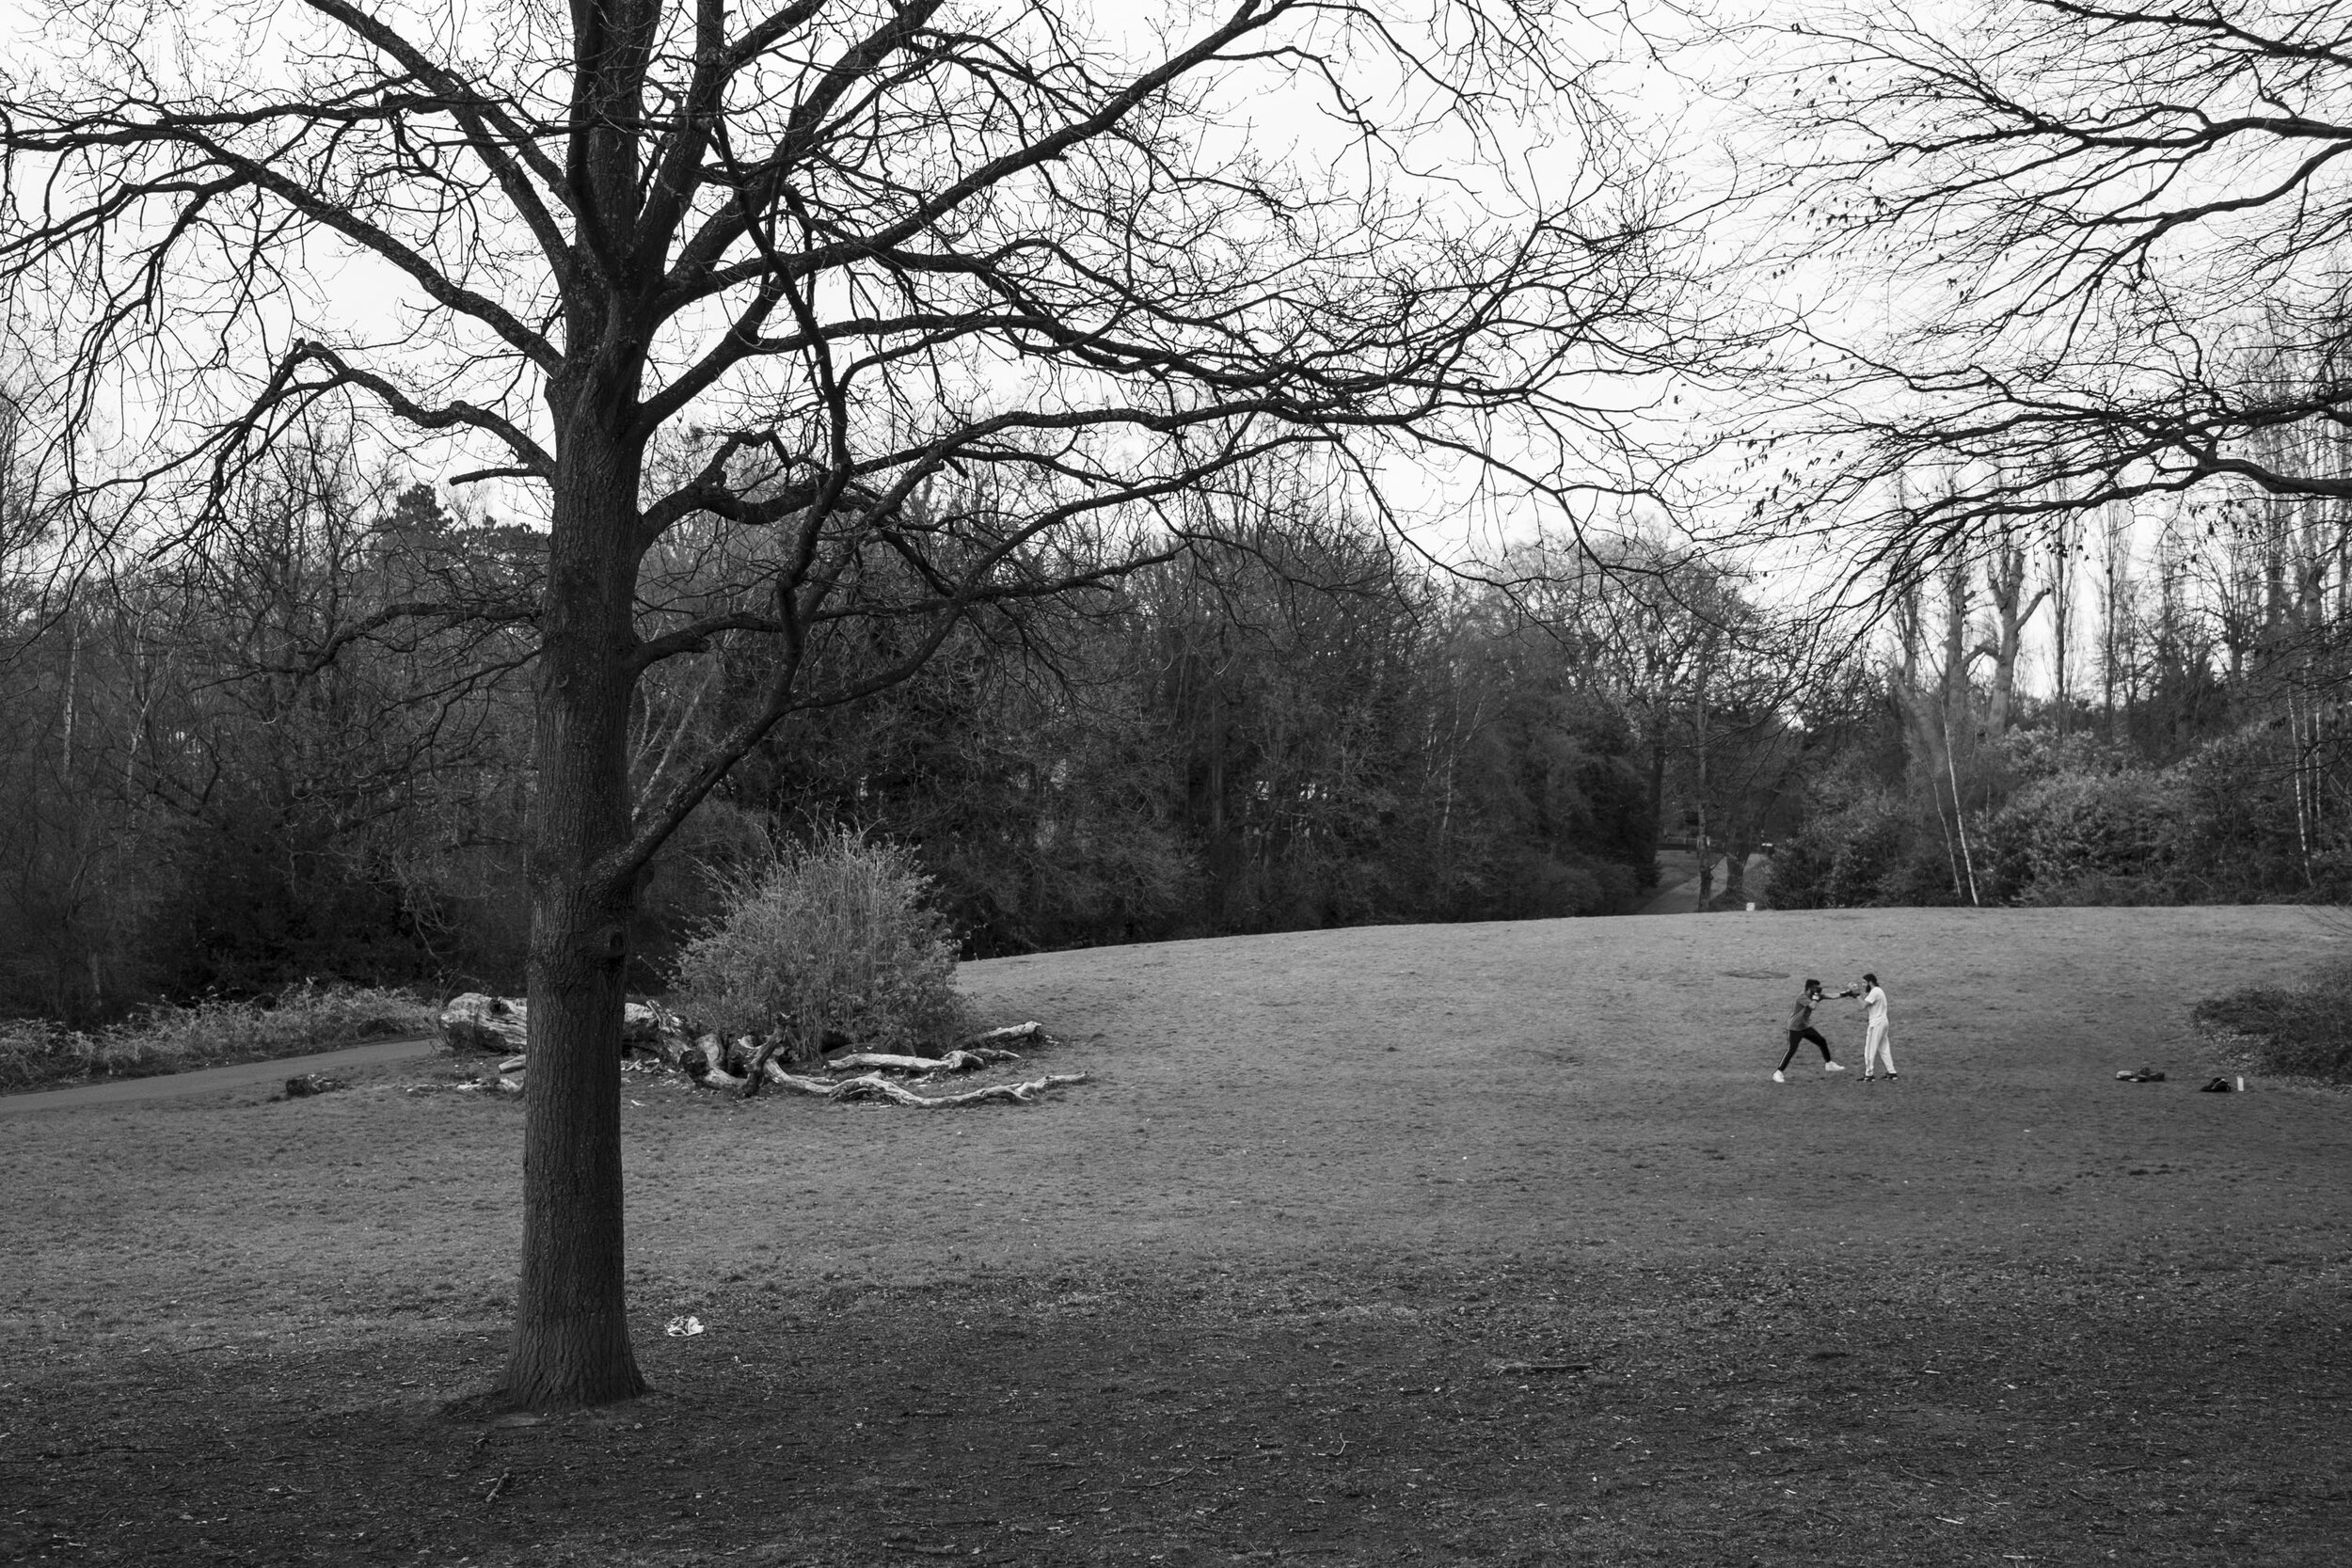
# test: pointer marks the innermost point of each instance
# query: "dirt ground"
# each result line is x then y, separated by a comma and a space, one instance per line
1482, 1244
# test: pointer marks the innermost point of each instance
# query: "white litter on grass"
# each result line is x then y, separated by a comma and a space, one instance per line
681, 1329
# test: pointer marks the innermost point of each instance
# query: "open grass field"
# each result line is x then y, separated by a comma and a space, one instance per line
1481, 1244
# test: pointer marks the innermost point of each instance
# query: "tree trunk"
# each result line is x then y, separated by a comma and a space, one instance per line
1657, 784
571, 1344
1736, 851
2006, 584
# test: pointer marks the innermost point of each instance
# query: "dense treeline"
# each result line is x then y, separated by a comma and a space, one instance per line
244, 768
2189, 745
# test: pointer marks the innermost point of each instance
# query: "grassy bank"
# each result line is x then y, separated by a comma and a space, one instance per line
35, 1054
2299, 1031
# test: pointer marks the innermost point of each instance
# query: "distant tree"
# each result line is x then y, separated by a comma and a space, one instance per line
866, 248
2011, 598
2062, 582
207, 806
1286, 648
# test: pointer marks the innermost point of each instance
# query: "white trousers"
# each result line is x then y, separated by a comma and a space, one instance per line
1876, 1045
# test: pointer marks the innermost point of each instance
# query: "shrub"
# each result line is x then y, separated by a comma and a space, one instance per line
2076, 829
833, 940
2240, 817
308, 1017
1796, 877
2301, 1031
1933, 869
2096, 888
1872, 852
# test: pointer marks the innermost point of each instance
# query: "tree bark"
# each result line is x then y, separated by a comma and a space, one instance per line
571, 1344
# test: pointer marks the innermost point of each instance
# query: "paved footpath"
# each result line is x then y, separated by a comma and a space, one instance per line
127, 1091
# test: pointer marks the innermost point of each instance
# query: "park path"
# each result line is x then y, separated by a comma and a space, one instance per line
238, 1076
1682, 896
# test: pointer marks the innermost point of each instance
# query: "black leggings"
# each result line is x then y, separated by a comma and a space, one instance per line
1796, 1037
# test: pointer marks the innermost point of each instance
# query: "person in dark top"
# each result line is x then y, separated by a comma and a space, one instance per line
1801, 1030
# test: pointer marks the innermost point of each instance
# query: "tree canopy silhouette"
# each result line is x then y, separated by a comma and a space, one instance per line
2111, 239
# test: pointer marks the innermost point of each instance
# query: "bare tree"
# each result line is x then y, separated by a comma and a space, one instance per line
851, 251
2077, 202
2061, 581
2006, 584
2119, 616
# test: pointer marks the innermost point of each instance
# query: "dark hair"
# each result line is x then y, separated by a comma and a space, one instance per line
1810, 985
1872, 978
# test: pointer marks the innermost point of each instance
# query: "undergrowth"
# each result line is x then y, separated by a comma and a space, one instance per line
838, 940
2303, 1031
167, 1039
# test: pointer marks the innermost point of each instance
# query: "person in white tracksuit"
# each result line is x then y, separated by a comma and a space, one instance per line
1875, 1043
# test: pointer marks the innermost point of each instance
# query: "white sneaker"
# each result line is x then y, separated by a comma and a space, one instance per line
1780, 1078
1832, 1067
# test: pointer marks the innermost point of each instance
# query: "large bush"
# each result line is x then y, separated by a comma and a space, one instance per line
2245, 838
2091, 838
1872, 849
1857, 851
837, 940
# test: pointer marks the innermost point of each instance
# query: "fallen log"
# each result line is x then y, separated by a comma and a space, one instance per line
957, 1060
972, 1061
884, 1061
474, 1021
479, 1022
650, 1027
875, 1087
711, 1057
817, 1086
755, 1070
